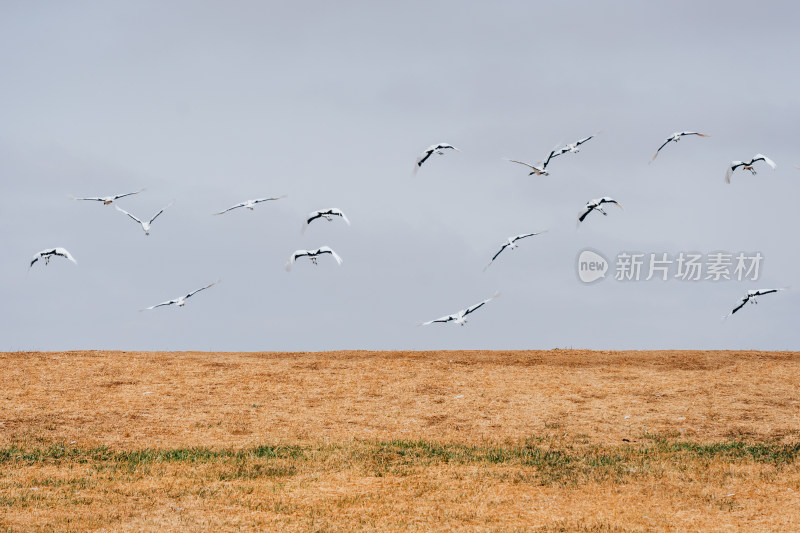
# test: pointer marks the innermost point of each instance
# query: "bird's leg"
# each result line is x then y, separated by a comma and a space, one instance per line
47, 260
314, 260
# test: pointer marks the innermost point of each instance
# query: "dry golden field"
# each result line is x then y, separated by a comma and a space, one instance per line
561, 440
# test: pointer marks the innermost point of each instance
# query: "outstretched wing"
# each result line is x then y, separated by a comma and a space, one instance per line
524, 235
168, 302
95, 199
341, 214
767, 160
201, 289
526, 164
582, 215
329, 250
659, 149
162, 210
759, 292
231, 208
64, 253
477, 306
311, 218
425, 155
741, 303
259, 200
118, 208
293, 258
733, 166
609, 200
474, 307
550, 156
118, 196
447, 318
505, 245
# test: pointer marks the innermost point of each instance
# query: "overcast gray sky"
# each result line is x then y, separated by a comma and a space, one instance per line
212, 103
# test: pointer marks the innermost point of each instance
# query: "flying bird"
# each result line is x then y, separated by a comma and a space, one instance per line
52, 252
181, 301
511, 243
249, 204
312, 254
145, 225
751, 297
675, 137
539, 168
594, 205
327, 214
748, 165
108, 199
437, 148
573, 147
460, 317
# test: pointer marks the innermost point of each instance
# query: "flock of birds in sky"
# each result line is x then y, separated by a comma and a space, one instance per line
538, 169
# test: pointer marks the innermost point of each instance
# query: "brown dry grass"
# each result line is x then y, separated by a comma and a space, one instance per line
367, 430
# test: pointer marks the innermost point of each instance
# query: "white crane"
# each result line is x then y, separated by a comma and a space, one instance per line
751, 297
108, 199
574, 147
52, 252
460, 317
327, 214
145, 225
539, 168
748, 166
249, 204
312, 254
511, 243
594, 205
181, 301
434, 148
675, 137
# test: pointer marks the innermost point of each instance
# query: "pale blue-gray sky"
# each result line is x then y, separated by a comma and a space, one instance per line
212, 103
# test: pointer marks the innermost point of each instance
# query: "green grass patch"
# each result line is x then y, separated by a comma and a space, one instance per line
536, 460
